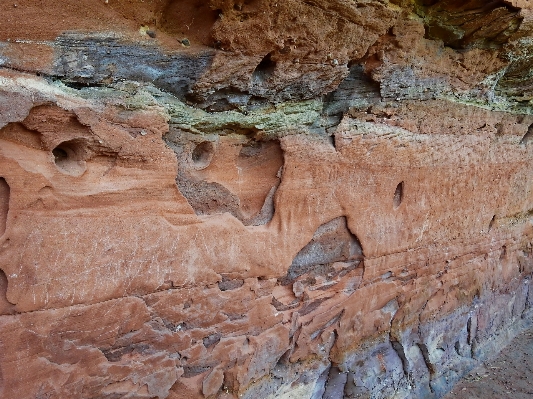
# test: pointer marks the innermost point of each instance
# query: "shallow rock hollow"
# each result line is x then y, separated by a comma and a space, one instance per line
259, 199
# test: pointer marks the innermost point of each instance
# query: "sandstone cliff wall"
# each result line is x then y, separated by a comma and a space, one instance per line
261, 198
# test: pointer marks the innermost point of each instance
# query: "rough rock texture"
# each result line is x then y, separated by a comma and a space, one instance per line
262, 199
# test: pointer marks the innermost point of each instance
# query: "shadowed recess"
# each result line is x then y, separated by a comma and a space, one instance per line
332, 242
202, 154
491, 223
467, 24
265, 69
5, 306
4, 205
69, 157
528, 136
398, 195
232, 176
19, 134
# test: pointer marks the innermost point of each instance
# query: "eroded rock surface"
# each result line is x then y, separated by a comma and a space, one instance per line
262, 199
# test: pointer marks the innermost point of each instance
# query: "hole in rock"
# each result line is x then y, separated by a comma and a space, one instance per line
398, 195
241, 178
4, 204
203, 154
265, 69
69, 157
332, 242
528, 137
491, 224
60, 155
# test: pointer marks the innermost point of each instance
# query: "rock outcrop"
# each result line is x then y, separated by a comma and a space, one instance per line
262, 199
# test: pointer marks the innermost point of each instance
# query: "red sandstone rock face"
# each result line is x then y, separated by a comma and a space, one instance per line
264, 199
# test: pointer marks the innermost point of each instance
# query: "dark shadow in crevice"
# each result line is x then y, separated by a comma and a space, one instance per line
264, 69
80, 84
4, 205
332, 140
491, 223
427, 360
6, 307
400, 351
356, 90
528, 137
398, 195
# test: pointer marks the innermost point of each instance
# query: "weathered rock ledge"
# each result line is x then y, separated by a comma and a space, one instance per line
262, 199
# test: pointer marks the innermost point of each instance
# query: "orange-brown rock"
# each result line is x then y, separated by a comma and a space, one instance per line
237, 199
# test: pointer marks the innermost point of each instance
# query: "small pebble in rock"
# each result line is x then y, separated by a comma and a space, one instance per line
151, 33
185, 42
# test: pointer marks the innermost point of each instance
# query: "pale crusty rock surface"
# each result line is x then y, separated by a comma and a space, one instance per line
262, 199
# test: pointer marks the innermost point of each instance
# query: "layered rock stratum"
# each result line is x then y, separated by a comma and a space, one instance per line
262, 198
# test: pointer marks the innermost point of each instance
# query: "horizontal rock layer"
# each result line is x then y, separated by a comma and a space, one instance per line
312, 199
